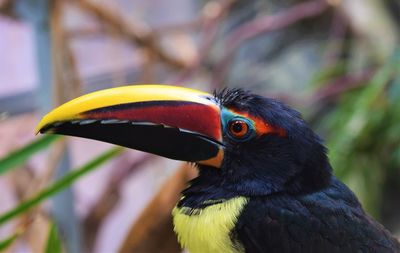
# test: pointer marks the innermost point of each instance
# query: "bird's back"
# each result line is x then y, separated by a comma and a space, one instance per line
330, 220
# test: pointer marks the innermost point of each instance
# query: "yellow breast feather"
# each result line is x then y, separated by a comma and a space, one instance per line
207, 230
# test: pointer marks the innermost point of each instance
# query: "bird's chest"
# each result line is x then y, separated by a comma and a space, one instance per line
208, 229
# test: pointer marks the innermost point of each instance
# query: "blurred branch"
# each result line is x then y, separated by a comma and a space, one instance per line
336, 39
25, 182
338, 86
181, 27
59, 185
139, 34
8, 244
109, 197
67, 84
84, 32
212, 13
261, 26
148, 66
153, 230
329, 91
7, 8
31, 231
370, 20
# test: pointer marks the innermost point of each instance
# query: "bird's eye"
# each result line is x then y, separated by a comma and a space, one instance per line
238, 128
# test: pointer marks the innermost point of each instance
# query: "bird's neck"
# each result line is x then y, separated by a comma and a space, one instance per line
201, 194
213, 186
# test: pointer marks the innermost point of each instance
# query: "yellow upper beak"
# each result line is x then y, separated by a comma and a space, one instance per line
73, 109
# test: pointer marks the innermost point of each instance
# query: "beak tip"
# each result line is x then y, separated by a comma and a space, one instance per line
38, 131
43, 130
40, 126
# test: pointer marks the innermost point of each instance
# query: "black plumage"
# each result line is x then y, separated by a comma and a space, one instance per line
329, 220
295, 203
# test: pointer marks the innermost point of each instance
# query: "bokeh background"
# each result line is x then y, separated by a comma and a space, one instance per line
336, 61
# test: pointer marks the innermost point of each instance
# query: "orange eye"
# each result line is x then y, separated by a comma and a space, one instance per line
238, 128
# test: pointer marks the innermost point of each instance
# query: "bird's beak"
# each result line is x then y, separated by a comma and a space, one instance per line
173, 122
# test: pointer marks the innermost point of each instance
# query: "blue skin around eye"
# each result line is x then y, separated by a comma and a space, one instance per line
227, 116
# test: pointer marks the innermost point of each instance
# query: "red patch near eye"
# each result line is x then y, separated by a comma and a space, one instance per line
263, 127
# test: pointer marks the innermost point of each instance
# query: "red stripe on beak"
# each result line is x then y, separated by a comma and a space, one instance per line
189, 116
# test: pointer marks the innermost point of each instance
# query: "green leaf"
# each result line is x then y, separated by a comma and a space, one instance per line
20, 156
356, 113
4, 244
60, 185
54, 244
362, 132
325, 75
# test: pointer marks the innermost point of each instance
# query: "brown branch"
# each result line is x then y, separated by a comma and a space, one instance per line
330, 91
109, 197
33, 225
336, 39
7, 9
67, 84
26, 183
84, 32
148, 66
212, 16
137, 33
263, 25
342, 84
181, 27
153, 230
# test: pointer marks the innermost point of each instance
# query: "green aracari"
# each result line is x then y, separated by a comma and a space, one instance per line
264, 185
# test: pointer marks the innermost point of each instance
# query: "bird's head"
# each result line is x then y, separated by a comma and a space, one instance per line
243, 143
274, 151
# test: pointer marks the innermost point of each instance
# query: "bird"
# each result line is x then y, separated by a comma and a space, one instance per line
264, 180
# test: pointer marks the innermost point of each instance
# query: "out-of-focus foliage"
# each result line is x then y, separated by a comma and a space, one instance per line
60, 184
20, 156
363, 134
54, 244
4, 244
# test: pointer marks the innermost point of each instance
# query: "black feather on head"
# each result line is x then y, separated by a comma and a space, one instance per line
299, 160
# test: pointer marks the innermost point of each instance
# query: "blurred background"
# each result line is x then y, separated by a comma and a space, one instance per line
336, 61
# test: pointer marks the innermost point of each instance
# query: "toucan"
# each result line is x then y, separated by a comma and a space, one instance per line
264, 184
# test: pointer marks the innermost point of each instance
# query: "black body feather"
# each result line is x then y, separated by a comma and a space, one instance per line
330, 220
